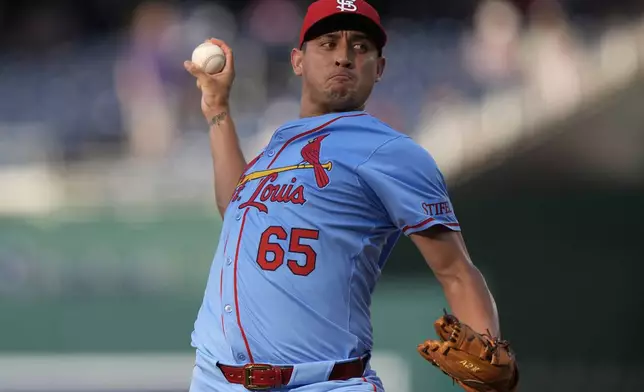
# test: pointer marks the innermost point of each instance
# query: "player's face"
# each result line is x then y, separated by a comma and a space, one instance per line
339, 69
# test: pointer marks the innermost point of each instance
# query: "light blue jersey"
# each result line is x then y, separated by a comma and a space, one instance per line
304, 240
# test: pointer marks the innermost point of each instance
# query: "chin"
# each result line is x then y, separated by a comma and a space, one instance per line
341, 97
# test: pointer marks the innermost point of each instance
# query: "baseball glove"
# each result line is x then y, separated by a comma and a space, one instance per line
477, 362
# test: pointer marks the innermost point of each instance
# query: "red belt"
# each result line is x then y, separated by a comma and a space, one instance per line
259, 376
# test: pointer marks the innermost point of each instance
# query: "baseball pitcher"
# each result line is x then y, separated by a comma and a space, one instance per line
308, 225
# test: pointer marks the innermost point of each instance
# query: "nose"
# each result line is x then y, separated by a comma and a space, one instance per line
344, 62
344, 55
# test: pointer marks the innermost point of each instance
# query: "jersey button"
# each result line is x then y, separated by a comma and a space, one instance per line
228, 308
271, 153
241, 357
229, 260
238, 216
279, 137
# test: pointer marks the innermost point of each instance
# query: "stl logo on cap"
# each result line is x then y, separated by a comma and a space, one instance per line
347, 5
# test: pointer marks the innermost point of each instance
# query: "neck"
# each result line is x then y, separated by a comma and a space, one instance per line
309, 109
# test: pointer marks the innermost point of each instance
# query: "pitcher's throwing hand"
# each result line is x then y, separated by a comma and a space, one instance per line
215, 88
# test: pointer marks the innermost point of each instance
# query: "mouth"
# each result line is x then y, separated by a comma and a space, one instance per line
341, 77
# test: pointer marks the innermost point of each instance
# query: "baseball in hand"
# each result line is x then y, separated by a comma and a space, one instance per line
209, 57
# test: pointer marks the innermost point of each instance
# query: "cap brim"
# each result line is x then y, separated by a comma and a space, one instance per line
345, 21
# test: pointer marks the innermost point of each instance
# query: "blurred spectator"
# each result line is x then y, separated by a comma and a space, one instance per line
141, 76
551, 57
274, 22
491, 50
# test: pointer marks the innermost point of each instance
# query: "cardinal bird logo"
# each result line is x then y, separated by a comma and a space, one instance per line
311, 155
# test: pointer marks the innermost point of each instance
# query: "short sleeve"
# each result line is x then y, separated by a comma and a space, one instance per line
406, 181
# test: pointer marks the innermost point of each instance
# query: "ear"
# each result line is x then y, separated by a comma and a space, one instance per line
297, 56
380, 69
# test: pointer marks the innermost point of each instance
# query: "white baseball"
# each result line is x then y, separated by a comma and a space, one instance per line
209, 57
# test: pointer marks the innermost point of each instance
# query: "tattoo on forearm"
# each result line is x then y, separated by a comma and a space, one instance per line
217, 119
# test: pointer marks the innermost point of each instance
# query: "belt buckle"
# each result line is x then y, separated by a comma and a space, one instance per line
248, 378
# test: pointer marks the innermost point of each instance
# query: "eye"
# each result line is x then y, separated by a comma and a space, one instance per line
360, 46
328, 44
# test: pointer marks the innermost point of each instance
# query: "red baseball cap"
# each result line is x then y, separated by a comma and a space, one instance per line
325, 16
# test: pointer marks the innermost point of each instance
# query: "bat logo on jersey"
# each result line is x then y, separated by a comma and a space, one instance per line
268, 191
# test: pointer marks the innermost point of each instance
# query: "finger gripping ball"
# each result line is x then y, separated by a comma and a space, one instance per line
209, 57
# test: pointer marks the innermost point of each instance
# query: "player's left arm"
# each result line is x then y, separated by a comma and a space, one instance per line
406, 181
464, 286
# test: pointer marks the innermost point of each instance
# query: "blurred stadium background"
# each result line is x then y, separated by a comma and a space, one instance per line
533, 108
